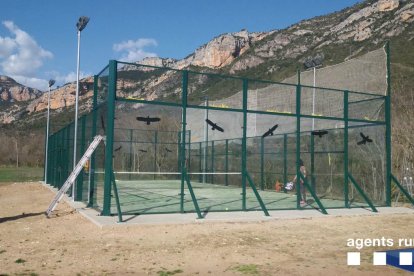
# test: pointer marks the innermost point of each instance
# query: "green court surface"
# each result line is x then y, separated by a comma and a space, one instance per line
163, 196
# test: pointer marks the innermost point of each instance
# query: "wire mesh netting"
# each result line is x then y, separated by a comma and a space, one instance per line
183, 140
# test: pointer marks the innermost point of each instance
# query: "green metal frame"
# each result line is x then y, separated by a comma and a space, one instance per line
59, 150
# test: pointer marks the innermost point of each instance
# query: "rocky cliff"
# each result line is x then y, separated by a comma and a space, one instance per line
11, 91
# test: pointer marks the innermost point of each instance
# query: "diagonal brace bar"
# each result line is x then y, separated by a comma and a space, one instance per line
361, 192
118, 205
404, 191
317, 200
259, 199
193, 197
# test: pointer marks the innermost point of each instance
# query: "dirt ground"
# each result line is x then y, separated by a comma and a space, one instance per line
31, 244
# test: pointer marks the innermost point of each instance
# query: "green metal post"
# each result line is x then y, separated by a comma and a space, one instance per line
212, 162
183, 132
79, 182
59, 147
226, 163
131, 137
189, 151
346, 157
285, 164
112, 78
388, 127
155, 151
244, 144
262, 163
200, 176
91, 199
67, 153
52, 153
179, 153
312, 174
298, 110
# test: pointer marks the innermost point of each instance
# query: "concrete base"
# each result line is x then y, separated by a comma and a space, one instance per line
250, 216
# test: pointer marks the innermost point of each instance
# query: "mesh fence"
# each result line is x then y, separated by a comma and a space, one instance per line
223, 131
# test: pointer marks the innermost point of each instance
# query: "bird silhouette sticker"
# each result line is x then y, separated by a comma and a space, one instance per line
148, 120
214, 126
319, 133
270, 131
365, 139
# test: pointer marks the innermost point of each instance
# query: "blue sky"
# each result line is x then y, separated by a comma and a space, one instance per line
38, 38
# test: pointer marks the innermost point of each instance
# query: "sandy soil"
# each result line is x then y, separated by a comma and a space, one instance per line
31, 244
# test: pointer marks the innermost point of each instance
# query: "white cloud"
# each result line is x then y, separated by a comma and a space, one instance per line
69, 77
21, 54
40, 84
21, 57
132, 51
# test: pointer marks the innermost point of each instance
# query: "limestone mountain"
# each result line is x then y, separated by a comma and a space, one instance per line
13, 98
12, 91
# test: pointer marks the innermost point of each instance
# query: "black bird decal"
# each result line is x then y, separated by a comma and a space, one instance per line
103, 123
365, 139
118, 149
148, 120
141, 150
319, 133
270, 131
214, 126
168, 150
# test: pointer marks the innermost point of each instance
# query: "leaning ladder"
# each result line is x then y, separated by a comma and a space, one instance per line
74, 174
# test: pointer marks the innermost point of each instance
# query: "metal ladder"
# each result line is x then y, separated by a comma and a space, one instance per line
74, 174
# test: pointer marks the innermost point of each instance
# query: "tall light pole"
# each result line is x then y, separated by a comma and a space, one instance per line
313, 97
205, 139
51, 83
82, 22
313, 63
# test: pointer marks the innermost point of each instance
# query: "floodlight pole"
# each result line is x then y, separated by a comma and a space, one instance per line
51, 82
313, 97
205, 138
76, 112
80, 26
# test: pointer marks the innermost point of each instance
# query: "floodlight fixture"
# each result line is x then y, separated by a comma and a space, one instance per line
82, 22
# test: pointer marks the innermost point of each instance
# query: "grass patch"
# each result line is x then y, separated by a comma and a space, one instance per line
168, 273
2, 251
21, 174
19, 261
249, 269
